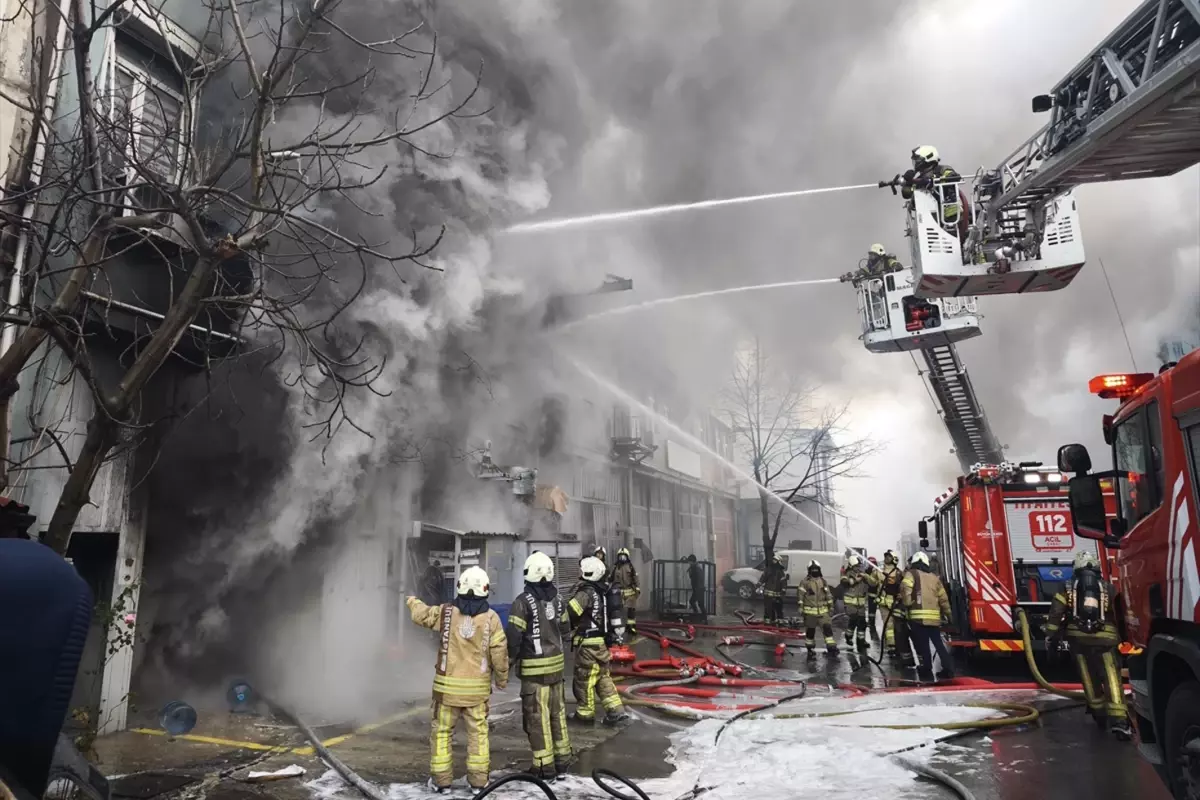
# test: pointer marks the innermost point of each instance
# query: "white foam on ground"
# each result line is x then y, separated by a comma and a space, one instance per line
836, 757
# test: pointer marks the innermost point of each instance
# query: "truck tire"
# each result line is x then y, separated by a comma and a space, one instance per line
1182, 726
745, 590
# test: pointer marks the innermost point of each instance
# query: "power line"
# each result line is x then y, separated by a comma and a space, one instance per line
1117, 308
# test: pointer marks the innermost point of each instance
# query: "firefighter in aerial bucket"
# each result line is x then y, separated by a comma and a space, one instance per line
595, 615
927, 607
625, 578
472, 656
816, 604
879, 262
774, 582
928, 173
535, 645
1085, 610
858, 580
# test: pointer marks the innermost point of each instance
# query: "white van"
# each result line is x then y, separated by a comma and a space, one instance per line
743, 580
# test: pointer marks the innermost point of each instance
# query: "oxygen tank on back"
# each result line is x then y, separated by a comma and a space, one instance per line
614, 628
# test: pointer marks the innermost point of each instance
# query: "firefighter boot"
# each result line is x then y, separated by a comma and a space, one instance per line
432, 786
831, 649
576, 719
849, 637
812, 652
547, 773
1120, 728
616, 717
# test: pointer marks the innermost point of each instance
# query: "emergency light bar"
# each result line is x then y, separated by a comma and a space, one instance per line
1118, 387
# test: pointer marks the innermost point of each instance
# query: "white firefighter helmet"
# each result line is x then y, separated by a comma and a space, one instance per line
920, 557
624, 551
778, 559
877, 250
889, 556
539, 567
1086, 560
814, 565
925, 154
591, 569
600, 553
853, 560
474, 582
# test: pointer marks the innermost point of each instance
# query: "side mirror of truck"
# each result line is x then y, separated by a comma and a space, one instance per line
1042, 103
1086, 499
923, 530
1074, 458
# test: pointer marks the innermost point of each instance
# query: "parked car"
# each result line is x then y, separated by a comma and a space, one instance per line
743, 581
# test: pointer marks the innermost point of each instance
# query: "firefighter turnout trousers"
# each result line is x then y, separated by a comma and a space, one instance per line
544, 716
445, 719
856, 627
1099, 670
887, 606
593, 680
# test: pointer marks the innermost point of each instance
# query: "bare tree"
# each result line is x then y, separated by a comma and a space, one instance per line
251, 205
795, 447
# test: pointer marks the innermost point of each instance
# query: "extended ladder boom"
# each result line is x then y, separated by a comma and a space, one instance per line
1131, 109
974, 442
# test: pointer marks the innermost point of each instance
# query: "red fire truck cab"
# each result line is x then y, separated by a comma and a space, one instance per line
1155, 441
1004, 540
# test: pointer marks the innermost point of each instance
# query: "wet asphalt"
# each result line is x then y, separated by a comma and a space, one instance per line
1062, 755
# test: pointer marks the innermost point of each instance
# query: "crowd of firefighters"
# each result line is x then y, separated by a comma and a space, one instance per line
475, 650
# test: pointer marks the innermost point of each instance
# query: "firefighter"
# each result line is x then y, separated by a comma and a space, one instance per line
893, 614
535, 645
593, 622
626, 579
879, 262
1086, 608
695, 574
472, 656
774, 581
873, 599
927, 168
857, 582
927, 607
432, 582
816, 604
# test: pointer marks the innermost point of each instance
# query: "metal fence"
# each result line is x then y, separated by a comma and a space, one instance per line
672, 593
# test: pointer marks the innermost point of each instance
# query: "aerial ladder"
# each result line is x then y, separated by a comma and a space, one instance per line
1130, 109
895, 319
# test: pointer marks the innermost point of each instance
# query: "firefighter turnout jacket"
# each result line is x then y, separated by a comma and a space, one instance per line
924, 598
472, 653
1087, 611
774, 580
859, 583
626, 579
535, 637
816, 599
588, 611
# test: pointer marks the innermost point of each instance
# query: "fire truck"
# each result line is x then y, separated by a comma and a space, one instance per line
1155, 449
1004, 540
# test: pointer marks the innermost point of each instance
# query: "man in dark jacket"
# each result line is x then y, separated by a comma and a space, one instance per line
774, 582
695, 574
433, 585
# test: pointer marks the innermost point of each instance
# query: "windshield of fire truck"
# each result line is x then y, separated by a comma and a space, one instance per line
1135, 450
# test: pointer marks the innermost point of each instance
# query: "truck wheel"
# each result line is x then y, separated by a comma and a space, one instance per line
746, 590
1183, 729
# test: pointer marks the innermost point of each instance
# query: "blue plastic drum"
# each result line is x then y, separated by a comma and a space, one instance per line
177, 718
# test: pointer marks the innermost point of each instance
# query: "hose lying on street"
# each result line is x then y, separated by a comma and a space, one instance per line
368, 789
1033, 667
1019, 714
937, 776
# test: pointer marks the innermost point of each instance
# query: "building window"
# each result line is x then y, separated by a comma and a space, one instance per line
148, 120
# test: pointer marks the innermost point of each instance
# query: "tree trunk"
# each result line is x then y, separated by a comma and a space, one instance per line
768, 542
30, 339
102, 432
105, 425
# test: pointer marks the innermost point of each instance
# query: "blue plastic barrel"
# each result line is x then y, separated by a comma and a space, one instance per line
177, 718
502, 609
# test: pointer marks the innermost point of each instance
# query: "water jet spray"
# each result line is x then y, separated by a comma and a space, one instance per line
656, 211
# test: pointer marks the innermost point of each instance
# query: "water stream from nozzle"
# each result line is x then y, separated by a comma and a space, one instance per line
679, 298
655, 211
620, 393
